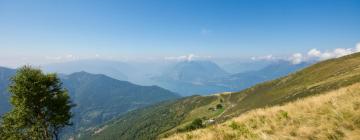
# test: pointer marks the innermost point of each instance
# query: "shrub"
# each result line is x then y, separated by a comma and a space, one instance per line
195, 124
283, 114
234, 125
242, 129
219, 106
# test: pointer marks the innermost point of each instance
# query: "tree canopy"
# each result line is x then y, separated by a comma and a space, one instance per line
40, 106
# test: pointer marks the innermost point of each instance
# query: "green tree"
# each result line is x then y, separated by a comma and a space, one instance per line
219, 106
41, 107
195, 124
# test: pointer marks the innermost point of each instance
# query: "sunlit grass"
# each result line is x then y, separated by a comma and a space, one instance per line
333, 115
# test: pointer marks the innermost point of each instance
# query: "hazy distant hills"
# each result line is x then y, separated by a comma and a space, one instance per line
240, 67
135, 72
195, 77
244, 80
113, 69
194, 71
5, 74
190, 77
98, 97
177, 116
206, 77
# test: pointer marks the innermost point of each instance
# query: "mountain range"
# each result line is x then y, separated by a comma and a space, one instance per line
240, 81
98, 97
245, 66
165, 119
190, 77
101, 99
91, 91
194, 77
115, 69
206, 77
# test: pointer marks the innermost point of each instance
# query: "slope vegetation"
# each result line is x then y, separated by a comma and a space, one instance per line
334, 115
160, 121
98, 97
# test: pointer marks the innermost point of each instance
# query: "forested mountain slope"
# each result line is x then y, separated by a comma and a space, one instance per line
5, 75
98, 98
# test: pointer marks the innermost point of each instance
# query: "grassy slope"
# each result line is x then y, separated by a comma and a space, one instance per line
160, 117
324, 76
321, 77
334, 115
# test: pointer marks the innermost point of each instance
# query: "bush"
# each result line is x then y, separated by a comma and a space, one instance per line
211, 109
234, 125
283, 115
242, 129
219, 106
195, 124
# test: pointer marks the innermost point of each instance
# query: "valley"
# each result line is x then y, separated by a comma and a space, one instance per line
179, 70
145, 123
98, 98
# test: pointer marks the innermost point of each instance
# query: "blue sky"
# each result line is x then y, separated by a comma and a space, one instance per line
49, 29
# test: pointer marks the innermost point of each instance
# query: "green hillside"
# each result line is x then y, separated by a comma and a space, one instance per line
5, 75
98, 98
333, 115
165, 119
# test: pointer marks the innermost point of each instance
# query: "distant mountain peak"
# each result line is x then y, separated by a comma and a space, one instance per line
82, 73
195, 70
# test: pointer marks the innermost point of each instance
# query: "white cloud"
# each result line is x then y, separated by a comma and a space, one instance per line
181, 58
325, 55
339, 52
69, 56
336, 53
189, 57
53, 57
313, 54
61, 58
357, 48
296, 58
266, 57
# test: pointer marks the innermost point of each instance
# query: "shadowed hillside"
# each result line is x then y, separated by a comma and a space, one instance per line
98, 98
5, 75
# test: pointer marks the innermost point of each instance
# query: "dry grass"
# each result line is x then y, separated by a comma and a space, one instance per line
333, 115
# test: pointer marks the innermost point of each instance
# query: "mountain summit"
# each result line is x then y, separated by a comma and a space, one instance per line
194, 71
